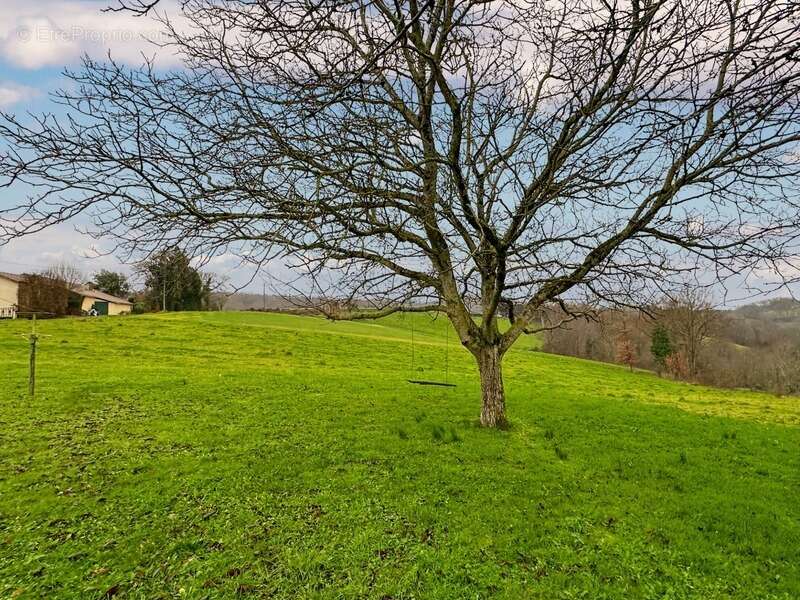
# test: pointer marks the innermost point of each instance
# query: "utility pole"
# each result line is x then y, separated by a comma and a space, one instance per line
164, 295
264, 295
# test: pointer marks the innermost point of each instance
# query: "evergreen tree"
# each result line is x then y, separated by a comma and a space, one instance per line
660, 346
173, 284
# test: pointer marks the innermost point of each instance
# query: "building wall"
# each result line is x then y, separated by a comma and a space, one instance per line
9, 292
118, 309
113, 308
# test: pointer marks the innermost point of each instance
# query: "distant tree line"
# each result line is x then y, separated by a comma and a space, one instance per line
685, 337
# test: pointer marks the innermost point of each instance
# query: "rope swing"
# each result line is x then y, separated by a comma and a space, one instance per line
446, 361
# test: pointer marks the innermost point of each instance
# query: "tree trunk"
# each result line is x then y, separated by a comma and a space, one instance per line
493, 410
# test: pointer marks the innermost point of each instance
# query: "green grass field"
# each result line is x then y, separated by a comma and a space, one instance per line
227, 455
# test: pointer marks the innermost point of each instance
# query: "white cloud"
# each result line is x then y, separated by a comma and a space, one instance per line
48, 33
34, 42
58, 244
12, 93
222, 260
65, 244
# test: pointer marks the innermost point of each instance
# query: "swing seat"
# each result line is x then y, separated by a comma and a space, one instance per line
423, 382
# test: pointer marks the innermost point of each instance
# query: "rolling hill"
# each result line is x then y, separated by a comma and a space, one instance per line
226, 455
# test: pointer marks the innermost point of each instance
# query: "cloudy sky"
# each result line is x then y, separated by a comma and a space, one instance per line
38, 40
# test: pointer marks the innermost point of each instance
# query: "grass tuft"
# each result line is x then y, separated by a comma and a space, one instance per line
454, 437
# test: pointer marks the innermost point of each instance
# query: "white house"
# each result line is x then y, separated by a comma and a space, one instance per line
9, 295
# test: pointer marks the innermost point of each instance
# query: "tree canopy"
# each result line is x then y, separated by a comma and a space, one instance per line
112, 283
173, 284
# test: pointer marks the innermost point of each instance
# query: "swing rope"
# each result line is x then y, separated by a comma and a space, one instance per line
412, 348
446, 351
446, 361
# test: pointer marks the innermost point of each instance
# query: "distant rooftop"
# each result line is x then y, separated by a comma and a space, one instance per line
98, 295
12, 276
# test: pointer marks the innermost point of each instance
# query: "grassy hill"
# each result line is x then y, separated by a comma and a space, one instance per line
228, 455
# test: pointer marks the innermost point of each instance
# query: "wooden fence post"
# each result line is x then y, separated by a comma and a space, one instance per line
32, 375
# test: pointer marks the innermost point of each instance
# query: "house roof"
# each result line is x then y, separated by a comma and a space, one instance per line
98, 295
13, 277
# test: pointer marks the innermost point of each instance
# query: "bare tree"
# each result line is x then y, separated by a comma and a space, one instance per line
692, 320
625, 352
442, 154
69, 275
